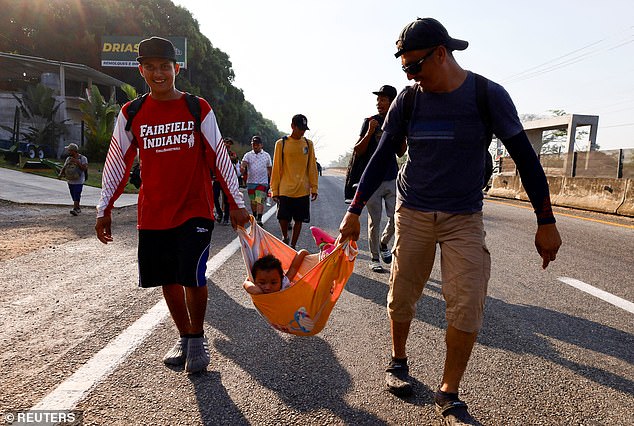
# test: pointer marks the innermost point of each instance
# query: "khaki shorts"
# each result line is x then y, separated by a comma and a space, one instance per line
465, 265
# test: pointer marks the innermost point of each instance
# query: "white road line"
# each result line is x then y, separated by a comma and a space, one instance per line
101, 365
72, 390
603, 295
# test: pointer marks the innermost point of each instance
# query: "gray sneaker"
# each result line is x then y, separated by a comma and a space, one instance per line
197, 355
178, 353
375, 266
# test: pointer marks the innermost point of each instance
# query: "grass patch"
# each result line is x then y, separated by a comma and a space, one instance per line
94, 172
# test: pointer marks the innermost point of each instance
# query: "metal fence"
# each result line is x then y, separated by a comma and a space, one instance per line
617, 163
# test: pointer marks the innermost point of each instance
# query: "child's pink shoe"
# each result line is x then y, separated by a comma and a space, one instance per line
324, 240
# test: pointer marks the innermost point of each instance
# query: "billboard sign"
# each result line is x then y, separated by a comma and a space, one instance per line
122, 51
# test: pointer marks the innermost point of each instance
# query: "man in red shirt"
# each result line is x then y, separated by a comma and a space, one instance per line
175, 208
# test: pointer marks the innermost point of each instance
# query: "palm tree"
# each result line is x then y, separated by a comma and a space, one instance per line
99, 118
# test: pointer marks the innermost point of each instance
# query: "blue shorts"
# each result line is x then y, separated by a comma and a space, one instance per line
75, 191
175, 256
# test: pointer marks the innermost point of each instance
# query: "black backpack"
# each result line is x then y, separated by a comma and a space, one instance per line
482, 101
356, 167
193, 104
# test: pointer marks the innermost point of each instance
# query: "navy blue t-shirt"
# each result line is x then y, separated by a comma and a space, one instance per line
392, 167
447, 142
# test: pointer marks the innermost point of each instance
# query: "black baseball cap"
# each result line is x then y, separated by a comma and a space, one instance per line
386, 90
256, 139
156, 47
424, 33
300, 121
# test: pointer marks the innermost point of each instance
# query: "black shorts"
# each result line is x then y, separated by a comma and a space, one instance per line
296, 208
175, 256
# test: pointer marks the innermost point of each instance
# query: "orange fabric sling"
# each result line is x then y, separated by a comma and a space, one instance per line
302, 309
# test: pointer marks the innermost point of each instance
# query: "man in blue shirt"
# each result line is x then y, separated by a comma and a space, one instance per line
440, 199
386, 193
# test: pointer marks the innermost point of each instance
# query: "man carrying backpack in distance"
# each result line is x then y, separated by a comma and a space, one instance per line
440, 200
386, 193
178, 142
294, 179
256, 167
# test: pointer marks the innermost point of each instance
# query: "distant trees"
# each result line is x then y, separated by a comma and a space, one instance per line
71, 30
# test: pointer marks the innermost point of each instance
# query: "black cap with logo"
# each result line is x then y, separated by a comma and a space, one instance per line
300, 121
424, 33
156, 47
386, 90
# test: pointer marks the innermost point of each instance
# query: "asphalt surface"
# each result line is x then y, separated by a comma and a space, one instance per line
548, 354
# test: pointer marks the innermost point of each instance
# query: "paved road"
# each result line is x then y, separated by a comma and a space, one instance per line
548, 354
21, 187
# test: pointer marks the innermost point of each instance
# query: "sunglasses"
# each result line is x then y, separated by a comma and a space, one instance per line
418, 65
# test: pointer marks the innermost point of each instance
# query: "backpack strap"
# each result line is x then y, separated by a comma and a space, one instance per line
193, 104
283, 145
132, 110
482, 100
408, 104
408, 109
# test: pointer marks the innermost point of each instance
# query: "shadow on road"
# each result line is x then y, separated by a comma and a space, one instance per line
214, 403
525, 329
302, 371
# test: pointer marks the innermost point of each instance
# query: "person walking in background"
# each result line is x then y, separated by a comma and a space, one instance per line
234, 159
221, 203
294, 179
177, 150
448, 130
221, 200
386, 193
256, 168
75, 172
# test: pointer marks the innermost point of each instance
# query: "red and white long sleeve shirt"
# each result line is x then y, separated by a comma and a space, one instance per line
176, 164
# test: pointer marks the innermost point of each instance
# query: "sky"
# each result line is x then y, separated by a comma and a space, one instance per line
324, 58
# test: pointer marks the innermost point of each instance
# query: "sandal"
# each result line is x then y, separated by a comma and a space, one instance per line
397, 379
454, 413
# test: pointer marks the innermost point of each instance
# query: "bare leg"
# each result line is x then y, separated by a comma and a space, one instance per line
459, 346
297, 228
174, 295
284, 228
400, 331
196, 300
